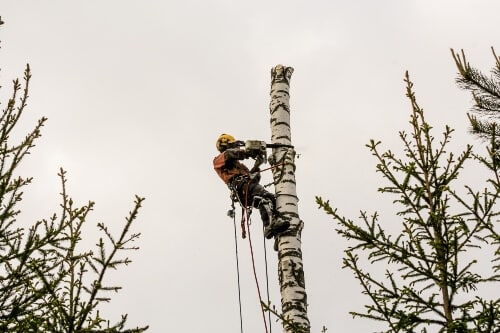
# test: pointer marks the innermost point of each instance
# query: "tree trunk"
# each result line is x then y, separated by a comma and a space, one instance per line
290, 267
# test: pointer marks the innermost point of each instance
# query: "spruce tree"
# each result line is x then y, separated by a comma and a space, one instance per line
434, 260
485, 112
47, 283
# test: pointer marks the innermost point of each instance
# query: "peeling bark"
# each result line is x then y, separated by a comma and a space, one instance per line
290, 266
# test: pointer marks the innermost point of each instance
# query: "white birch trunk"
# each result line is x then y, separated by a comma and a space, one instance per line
290, 267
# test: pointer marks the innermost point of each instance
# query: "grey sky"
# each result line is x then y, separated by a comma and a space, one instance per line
136, 93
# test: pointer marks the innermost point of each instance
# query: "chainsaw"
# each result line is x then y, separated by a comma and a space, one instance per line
258, 149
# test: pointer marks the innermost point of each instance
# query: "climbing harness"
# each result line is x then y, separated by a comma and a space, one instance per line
233, 187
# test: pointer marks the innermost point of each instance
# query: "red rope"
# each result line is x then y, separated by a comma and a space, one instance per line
253, 260
243, 232
243, 235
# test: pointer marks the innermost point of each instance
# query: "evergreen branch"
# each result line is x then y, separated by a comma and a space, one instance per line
41, 285
107, 262
485, 92
426, 269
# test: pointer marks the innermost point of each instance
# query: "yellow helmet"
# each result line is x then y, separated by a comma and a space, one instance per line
223, 141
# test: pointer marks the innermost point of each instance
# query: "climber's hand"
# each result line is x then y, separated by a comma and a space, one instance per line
255, 169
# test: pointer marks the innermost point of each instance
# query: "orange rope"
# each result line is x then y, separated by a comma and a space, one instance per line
243, 235
243, 232
253, 260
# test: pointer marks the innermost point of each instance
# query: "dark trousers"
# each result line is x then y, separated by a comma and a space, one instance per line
250, 192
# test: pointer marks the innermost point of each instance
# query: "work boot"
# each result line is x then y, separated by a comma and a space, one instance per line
276, 227
266, 209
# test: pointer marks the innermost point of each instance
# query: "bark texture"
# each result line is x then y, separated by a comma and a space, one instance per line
290, 267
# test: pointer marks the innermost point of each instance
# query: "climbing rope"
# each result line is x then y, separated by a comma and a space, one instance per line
281, 162
267, 281
237, 267
246, 218
253, 259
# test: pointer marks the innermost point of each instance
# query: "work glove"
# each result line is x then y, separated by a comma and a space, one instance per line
259, 159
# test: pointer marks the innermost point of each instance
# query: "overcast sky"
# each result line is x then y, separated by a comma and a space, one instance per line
136, 93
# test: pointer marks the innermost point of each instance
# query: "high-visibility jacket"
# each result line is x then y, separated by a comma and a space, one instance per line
228, 166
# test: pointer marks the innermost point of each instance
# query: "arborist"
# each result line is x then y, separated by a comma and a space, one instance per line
244, 183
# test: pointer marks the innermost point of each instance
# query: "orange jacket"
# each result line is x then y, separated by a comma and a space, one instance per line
228, 166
